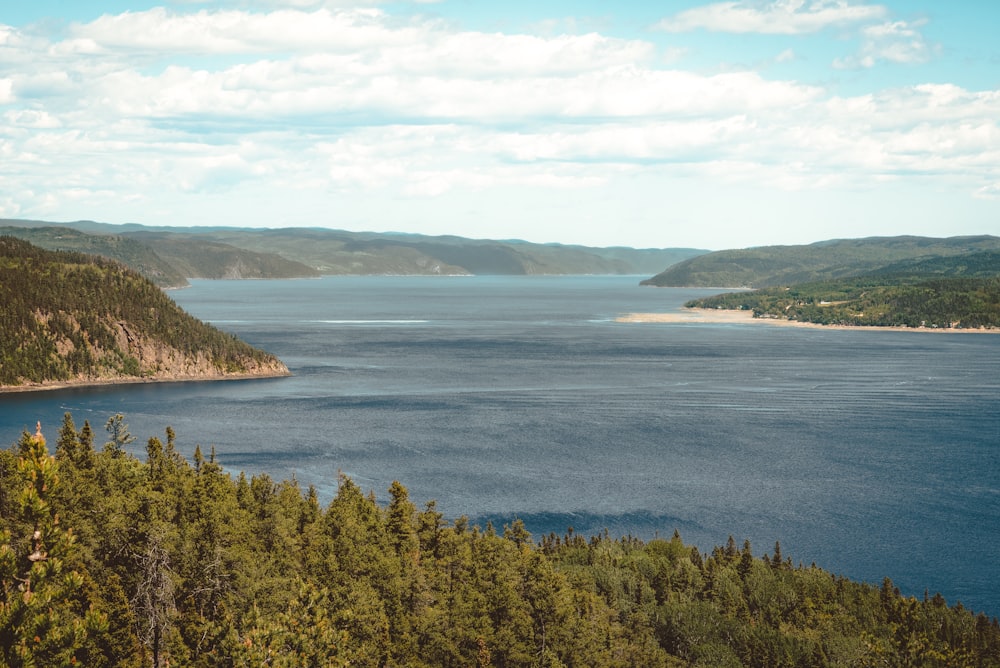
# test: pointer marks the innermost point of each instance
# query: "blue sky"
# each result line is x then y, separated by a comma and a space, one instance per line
701, 124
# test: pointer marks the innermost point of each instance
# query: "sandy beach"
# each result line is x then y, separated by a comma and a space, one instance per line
722, 316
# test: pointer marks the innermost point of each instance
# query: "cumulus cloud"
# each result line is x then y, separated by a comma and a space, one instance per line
894, 41
780, 17
6, 91
352, 101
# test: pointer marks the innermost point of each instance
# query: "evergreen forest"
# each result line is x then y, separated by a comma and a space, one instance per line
65, 315
947, 302
108, 559
833, 260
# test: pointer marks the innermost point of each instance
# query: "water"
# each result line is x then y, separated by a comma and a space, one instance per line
871, 453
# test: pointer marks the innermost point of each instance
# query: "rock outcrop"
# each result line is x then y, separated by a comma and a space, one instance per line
71, 319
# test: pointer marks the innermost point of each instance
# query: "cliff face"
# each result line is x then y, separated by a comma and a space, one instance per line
140, 358
67, 318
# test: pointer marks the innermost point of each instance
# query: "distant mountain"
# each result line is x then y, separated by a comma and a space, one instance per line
328, 251
823, 261
941, 292
201, 258
159, 256
67, 317
342, 252
128, 251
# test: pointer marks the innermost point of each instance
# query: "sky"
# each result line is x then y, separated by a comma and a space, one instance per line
630, 123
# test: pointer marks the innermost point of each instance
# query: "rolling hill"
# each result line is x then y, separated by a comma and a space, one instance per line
165, 260
823, 261
66, 317
210, 252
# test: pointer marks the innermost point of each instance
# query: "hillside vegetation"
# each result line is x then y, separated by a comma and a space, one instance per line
72, 317
106, 560
166, 261
129, 252
211, 252
959, 303
339, 252
954, 292
769, 266
202, 258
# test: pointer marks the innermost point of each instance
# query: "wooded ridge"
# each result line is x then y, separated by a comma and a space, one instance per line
75, 318
108, 560
230, 252
168, 263
771, 266
953, 292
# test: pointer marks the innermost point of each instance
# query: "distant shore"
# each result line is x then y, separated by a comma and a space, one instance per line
102, 382
733, 316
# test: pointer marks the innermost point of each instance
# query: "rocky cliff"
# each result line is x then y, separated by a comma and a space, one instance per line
69, 318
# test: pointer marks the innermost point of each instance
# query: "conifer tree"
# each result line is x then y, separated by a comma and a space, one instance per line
43, 621
120, 437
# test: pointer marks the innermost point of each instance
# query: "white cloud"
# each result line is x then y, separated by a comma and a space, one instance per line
786, 56
233, 32
360, 106
989, 192
780, 17
30, 118
895, 41
6, 91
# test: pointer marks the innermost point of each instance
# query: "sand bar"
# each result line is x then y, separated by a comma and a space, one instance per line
727, 316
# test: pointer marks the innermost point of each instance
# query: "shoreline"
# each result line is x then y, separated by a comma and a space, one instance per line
107, 382
745, 317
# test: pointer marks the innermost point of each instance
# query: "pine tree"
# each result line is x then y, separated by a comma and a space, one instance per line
120, 437
42, 617
776, 560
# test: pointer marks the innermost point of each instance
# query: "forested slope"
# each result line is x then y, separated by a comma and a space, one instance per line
73, 317
953, 292
165, 259
769, 266
106, 560
233, 252
127, 251
336, 252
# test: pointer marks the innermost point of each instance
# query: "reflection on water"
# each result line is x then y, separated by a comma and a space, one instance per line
871, 454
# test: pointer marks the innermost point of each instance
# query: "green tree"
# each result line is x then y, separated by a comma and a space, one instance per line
44, 620
119, 435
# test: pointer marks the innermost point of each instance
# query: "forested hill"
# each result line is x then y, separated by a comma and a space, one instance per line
70, 317
340, 252
200, 251
108, 560
824, 261
936, 303
167, 262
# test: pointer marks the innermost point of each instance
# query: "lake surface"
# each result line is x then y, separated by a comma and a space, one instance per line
871, 453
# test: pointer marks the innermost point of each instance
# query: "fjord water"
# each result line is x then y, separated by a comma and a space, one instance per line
870, 453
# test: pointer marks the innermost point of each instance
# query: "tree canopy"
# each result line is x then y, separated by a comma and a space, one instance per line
175, 562
66, 315
944, 303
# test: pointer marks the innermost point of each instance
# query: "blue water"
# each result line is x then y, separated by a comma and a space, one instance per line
870, 453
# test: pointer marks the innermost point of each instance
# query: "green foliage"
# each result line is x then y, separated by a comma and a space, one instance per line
113, 247
186, 566
202, 258
166, 256
66, 315
942, 303
770, 266
47, 617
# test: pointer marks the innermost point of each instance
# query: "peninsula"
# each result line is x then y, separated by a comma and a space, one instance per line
720, 316
73, 319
